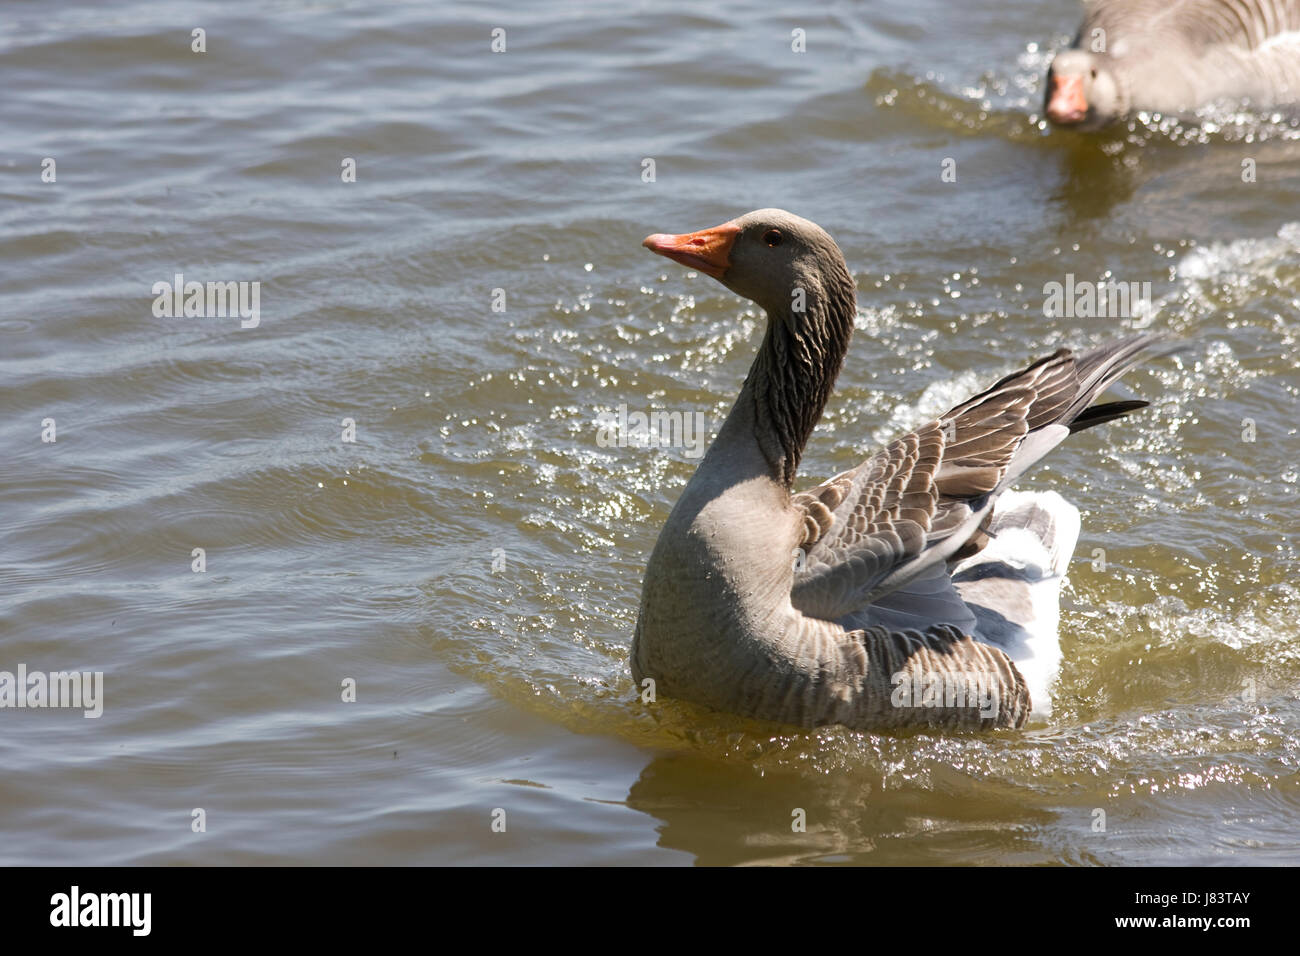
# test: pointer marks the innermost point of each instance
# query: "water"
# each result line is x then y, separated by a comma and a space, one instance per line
479, 690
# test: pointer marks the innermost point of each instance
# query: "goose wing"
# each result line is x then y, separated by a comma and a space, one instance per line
910, 507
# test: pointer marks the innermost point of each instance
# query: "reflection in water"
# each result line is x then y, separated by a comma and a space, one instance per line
1098, 174
726, 812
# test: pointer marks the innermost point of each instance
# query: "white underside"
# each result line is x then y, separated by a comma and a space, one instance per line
1013, 585
1008, 595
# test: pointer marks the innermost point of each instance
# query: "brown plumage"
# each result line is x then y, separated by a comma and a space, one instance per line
818, 607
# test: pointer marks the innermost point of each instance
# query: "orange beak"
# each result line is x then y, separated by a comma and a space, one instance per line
708, 251
1067, 105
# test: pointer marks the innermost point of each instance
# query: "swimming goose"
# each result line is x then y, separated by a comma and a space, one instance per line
1172, 56
912, 590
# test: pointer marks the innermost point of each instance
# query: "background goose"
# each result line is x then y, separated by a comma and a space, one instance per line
808, 608
1172, 56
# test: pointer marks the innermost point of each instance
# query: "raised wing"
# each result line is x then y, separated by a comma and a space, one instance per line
871, 530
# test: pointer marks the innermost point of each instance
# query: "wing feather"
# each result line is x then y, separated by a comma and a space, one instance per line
870, 530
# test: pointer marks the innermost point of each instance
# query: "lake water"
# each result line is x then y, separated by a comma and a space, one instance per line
472, 562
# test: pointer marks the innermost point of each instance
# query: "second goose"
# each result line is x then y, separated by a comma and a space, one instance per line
1174, 57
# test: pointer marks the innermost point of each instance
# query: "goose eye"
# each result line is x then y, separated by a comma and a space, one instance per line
1094, 74
772, 237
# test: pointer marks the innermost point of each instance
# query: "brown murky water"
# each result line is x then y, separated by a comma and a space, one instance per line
472, 561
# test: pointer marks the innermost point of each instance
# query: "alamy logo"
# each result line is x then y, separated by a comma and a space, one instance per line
102, 909
75, 689
1084, 299
212, 300
977, 690
662, 429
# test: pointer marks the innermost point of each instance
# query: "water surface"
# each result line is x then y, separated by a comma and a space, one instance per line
473, 560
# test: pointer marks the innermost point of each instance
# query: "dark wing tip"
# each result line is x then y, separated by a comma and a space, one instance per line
1105, 412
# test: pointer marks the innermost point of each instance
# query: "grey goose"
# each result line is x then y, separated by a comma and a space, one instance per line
1175, 56
915, 590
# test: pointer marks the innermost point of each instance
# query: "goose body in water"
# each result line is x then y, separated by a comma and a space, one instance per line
913, 590
1174, 56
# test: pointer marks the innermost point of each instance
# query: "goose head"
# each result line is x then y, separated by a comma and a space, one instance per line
772, 257
1082, 90
796, 272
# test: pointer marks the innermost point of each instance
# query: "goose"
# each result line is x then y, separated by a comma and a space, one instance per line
913, 590
1174, 56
